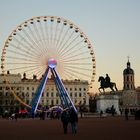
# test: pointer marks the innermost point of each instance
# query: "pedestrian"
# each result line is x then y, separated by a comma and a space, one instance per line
126, 111
16, 116
112, 110
101, 114
73, 120
81, 111
121, 111
65, 120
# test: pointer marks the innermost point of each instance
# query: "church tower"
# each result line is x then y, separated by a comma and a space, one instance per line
128, 78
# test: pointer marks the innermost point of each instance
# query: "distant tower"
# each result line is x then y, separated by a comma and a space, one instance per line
128, 78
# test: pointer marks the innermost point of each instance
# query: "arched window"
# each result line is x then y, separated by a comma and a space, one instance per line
127, 78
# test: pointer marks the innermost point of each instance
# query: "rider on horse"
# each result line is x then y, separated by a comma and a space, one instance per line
106, 83
107, 80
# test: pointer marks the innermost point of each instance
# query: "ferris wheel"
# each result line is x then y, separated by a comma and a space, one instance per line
34, 43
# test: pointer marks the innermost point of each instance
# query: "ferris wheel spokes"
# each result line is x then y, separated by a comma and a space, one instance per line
30, 45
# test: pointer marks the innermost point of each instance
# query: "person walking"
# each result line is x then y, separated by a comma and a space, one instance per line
126, 111
81, 110
101, 114
16, 116
73, 120
65, 120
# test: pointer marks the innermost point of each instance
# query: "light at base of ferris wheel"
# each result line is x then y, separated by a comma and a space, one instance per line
52, 63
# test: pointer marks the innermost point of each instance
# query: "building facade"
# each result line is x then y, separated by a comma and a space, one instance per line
25, 89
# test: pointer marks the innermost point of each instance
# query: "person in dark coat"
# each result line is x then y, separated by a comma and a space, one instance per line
126, 111
73, 120
65, 120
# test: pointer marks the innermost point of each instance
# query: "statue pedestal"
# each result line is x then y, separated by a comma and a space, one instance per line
106, 101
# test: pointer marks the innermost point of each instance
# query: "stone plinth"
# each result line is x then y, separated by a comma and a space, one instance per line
105, 101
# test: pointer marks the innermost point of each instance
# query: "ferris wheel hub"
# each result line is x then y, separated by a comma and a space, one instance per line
52, 63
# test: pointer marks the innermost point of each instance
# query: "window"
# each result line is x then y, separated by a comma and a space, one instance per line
47, 94
22, 94
57, 102
84, 89
52, 103
7, 88
71, 94
127, 78
32, 94
57, 94
27, 94
6, 94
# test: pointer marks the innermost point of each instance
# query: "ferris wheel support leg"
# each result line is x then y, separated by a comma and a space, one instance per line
65, 93
36, 99
60, 90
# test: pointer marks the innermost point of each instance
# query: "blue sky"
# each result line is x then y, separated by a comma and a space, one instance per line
113, 27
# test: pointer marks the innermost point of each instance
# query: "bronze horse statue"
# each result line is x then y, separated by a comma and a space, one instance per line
104, 84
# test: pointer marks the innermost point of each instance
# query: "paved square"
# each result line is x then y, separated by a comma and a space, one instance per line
109, 128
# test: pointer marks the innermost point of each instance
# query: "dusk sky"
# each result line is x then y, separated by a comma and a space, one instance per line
113, 27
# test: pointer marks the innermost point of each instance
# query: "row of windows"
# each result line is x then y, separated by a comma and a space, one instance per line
129, 78
32, 88
129, 86
17, 88
52, 94
49, 102
7, 102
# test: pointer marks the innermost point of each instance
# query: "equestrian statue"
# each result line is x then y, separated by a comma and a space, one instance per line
105, 83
